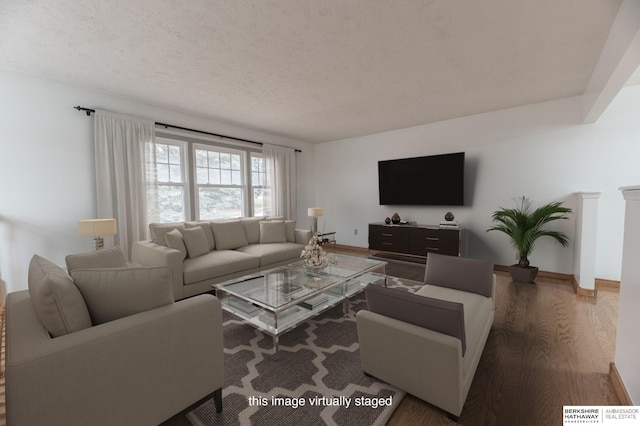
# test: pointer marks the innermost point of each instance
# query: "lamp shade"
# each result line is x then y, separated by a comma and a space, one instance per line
315, 212
97, 227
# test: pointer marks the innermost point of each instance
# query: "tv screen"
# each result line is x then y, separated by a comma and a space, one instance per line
436, 180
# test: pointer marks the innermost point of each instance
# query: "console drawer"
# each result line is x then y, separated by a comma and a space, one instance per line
426, 240
388, 238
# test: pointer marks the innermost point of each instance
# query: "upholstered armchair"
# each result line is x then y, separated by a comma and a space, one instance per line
429, 343
108, 346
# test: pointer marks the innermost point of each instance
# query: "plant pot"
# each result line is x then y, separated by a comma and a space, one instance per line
524, 275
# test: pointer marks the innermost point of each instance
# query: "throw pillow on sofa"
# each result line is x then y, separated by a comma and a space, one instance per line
252, 228
158, 231
175, 241
112, 257
229, 235
434, 314
119, 292
206, 227
273, 232
56, 300
196, 242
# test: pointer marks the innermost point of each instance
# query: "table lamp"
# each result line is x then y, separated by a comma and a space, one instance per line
314, 213
97, 228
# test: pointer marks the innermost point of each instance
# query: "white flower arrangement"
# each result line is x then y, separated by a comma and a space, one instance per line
313, 254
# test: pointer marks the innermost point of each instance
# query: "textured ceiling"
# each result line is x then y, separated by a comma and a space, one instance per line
314, 70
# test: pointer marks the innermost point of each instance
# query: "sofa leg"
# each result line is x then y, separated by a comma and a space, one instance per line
217, 399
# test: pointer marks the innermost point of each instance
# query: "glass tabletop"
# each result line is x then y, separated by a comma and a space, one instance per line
344, 266
279, 287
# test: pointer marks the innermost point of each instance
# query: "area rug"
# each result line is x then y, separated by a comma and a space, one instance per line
315, 379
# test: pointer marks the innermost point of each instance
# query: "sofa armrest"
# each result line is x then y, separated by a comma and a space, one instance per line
141, 369
146, 253
303, 236
420, 361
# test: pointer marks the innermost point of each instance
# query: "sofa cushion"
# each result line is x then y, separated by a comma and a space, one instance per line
217, 263
273, 232
252, 229
290, 230
112, 257
229, 234
56, 300
157, 231
175, 241
208, 232
273, 253
473, 275
196, 242
443, 316
119, 292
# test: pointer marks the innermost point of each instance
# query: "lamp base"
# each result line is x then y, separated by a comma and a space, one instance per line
99, 242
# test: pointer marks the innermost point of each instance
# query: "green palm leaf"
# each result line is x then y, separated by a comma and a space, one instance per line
524, 226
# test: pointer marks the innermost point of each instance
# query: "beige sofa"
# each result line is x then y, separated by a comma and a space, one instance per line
108, 346
429, 344
203, 253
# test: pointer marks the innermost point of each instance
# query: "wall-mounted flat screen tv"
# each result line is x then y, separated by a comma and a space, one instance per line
435, 180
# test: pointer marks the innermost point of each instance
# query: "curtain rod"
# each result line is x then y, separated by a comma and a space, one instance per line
88, 111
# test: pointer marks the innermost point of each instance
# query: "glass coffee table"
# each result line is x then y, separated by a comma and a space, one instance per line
279, 299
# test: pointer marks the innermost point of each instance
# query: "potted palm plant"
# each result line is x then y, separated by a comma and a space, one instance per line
524, 226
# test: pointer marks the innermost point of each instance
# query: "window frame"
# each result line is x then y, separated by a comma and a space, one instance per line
185, 183
189, 144
253, 186
245, 199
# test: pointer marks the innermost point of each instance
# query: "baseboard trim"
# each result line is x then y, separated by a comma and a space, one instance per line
610, 285
581, 291
618, 385
545, 274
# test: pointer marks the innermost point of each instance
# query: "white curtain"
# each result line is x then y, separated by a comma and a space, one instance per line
280, 166
122, 183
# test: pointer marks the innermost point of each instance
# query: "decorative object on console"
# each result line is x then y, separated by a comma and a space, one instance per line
524, 227
449, 217
97, 228
313, 254
387, 220
395, 219
314, 213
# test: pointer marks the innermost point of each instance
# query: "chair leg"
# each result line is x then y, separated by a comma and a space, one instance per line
217, 399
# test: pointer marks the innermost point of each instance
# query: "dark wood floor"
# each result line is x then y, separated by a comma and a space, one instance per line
546, 349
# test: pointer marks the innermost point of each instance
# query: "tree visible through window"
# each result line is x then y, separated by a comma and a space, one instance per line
221, 182
171, 180
259, 189
220, 188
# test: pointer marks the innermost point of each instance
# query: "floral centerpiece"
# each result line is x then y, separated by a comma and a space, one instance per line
313, 254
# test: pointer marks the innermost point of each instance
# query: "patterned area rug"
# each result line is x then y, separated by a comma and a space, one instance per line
315, 379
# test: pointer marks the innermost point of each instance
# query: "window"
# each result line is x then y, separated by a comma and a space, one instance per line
169, 170
198, 181
220, 190
261, 193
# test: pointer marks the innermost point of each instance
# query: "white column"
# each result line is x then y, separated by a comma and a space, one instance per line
584, 265
627, 342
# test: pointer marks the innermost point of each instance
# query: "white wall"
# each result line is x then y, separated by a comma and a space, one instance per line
47, 177
541, 151
627, 344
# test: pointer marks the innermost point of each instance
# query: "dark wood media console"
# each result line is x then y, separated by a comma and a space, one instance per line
414, 240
